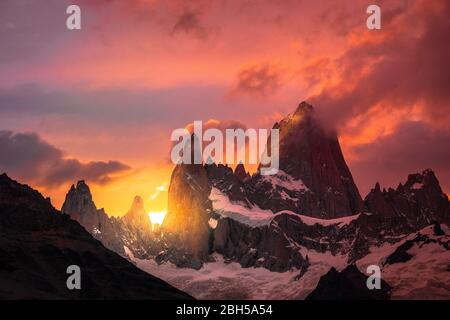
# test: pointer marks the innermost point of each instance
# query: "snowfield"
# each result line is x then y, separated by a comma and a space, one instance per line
251, 216
425, 276
227, 281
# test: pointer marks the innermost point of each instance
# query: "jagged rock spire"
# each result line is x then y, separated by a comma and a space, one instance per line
311, 154
137, 217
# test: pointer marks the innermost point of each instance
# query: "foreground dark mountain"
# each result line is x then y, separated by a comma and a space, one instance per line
349, 284
37, 244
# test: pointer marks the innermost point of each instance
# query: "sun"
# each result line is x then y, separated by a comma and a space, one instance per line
157, 217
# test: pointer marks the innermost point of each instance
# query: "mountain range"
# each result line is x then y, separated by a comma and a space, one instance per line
297, 221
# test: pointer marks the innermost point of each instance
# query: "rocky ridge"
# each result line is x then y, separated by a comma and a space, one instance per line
38, 243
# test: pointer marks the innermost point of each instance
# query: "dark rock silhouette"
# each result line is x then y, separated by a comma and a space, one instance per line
349, 284
413, 205
240, 173
38, 243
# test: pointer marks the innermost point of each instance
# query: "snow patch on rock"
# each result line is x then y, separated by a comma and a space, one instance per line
256, 216
286, 181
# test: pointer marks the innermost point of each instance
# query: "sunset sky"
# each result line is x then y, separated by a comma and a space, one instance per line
100, 103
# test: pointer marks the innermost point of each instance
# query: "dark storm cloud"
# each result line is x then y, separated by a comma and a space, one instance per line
28, 157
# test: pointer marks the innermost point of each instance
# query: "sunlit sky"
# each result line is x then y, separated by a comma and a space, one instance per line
100, 103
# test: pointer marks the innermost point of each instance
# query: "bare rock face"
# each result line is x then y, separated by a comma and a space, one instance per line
263, 246
313, 179
132, 231
413, 205
79, 205
189, 210
222, 177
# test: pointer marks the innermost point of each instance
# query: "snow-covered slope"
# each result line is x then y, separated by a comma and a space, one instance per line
228, 280
425, 275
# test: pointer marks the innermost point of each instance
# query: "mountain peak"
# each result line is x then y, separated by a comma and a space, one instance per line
304, 108
421, 193
137, 207
377, 187
82, 187
240, 172
80, 206
310, 154
137, 217
419, 180
138, 203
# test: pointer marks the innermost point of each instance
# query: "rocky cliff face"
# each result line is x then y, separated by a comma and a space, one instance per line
264, 246
133, 231
232, 184
38, 243
314, 179
189, 210
79, 205
413, 205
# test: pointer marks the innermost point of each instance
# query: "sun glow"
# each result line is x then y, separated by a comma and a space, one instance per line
157, 217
